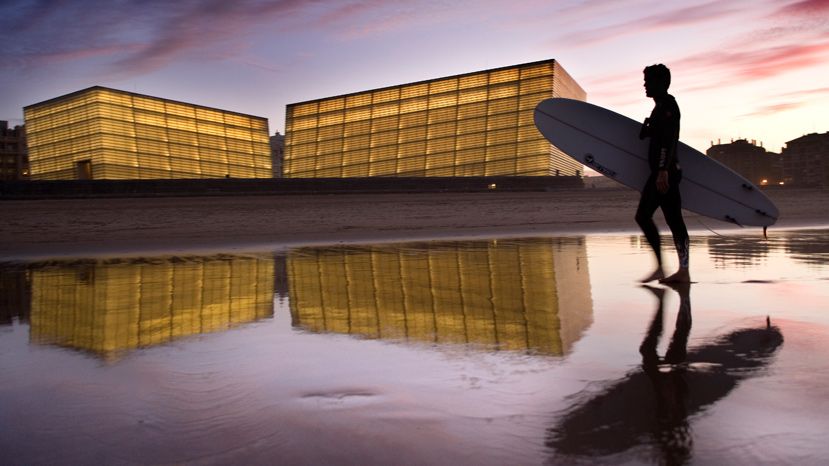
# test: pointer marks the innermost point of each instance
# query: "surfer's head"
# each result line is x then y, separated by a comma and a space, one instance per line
657, 80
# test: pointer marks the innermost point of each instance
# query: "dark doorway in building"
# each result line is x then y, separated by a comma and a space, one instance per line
84, 168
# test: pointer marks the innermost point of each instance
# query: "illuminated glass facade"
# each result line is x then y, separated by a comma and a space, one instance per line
476, 124
108, 308
101, 133
527, 296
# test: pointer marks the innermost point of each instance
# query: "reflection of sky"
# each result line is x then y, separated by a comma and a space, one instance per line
782, 276
742, 68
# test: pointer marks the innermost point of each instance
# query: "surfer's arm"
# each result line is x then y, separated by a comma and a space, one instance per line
645, 130
668, 140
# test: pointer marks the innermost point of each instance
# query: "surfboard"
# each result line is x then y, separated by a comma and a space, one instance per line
609, 143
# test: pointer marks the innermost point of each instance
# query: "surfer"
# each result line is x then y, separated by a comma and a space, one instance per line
662, 188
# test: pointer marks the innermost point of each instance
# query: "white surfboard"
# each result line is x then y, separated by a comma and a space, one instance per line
609, 143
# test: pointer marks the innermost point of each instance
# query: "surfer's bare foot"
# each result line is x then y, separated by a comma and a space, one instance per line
681, 276
657, 274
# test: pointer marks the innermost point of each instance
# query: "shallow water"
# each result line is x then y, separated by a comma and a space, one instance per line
525, 351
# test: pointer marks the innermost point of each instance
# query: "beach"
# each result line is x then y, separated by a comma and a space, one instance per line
95, 227
239, 329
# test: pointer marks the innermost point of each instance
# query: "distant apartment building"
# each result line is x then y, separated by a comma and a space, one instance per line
806, 160
277, 153
475, 124
750, 160
102, 133
14, 159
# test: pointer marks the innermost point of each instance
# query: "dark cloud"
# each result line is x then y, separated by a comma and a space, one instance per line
203, 25
135, 36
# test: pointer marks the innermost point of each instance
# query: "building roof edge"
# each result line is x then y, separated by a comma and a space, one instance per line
549, 60
136, 94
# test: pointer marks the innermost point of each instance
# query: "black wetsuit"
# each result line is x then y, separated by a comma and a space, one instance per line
662, 127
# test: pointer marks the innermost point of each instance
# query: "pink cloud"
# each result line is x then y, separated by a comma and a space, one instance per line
710, 11
756, 63
773, 109
816, 92
804, 7
789, 101
778, 60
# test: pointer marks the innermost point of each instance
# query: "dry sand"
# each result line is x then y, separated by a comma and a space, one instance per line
92, 227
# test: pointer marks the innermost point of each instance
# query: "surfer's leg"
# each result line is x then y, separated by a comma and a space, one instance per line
678, 348
672, 208
644, 217
648, 347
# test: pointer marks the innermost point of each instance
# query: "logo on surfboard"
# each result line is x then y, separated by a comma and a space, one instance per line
590, 162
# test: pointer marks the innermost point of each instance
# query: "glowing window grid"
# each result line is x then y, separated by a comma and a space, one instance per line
482, 293
476, 124
109, 308
132, 136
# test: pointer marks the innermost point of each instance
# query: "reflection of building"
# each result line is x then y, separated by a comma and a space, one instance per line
104, 133
107, 307
14, 158
809, 247
15, 295
277, 154
806, 160
280, 276
523, 295
476, 124
737, 251
749, 160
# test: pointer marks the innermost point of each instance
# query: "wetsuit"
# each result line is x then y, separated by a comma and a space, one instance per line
662, 127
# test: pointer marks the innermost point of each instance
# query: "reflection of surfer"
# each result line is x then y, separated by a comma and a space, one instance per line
662, 186
673, 433
653, 405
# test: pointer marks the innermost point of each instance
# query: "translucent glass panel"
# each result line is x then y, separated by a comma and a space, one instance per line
480, 124
482, 293
128, 136
108, 308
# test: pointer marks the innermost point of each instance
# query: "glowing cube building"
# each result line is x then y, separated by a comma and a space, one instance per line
102, 133
475, 124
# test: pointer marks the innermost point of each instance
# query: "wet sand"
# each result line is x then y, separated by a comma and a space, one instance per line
83, 227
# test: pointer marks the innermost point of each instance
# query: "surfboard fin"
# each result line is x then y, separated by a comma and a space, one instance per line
765, 229
733, 220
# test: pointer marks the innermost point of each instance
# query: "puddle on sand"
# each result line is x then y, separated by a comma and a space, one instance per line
525, 351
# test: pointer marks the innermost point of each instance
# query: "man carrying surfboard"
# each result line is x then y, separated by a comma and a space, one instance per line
662, 187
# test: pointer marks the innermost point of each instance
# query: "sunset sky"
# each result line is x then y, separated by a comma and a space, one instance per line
754, 69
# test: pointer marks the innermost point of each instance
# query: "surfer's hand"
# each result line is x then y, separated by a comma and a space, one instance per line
662, 184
